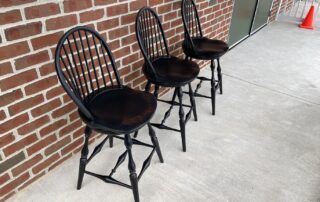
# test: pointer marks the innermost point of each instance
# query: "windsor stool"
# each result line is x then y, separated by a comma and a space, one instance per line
163, 69
196, 46
88, 73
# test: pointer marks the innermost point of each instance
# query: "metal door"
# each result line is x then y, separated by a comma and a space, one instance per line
262, 14
242, 17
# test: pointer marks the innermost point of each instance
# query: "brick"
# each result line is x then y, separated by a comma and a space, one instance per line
10, 17
13, 50
18, 80
33, 59
46, 163
73, 116
57, 146
91, 15
42, 10
139, 81
128, 40
30, 127
25, 104
63, 110
5, 68
80, 132
72, 146
132, 76
46, 108
59, 162
69, 128
4, 178
14, 184
54, 92
117, 10
61, 22
104, 2
41, 144
119, 32
130, 59
13, 123
11, 162
26, 165
164, 8
124, 70
30, 181
23, 31
128, 19
136, 5
10, 97
2, 115
41, 85
76, 5
155, 2
122, 52
8, 3
6, 139
47, 69
8, 196
53, 127
19, 145
46, 40
108, 24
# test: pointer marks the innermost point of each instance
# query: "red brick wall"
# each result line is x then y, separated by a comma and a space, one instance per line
39, 125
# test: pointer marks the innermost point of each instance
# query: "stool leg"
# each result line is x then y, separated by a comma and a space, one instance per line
213, 88
147, 89
148, 85
182, 120
156, 91
111, 142
155, 142
193, 103
136, 134
84, 155
132, 168
220, 76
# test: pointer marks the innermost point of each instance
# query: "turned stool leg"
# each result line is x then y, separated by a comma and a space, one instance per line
220, 77
84, 155
132, 168
193, 103
155, 142
213, 88
182, 120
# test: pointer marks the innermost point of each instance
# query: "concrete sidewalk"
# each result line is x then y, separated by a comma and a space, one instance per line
262, 145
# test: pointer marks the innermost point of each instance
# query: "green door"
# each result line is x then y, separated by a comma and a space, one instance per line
262, 14
242, 17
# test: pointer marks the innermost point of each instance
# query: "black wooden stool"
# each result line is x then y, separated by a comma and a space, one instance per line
87, 71
162, 69
196, 46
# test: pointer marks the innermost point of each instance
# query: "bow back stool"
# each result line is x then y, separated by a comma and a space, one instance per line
88, 73
163, 69
196, 46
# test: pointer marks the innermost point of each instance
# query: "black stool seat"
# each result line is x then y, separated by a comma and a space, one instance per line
172, 71
122, 109
206, 49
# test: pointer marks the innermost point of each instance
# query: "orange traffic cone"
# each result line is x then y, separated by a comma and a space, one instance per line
308, 21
